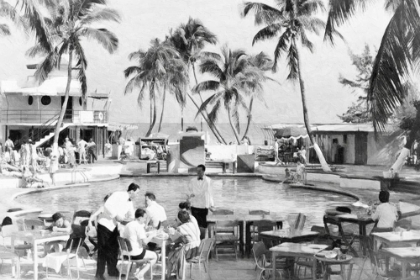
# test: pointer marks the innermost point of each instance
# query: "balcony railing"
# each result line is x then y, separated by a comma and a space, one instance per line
42, 116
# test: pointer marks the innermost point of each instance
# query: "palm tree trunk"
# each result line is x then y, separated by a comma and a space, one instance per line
64, 106
152, 108
212, 128
405, 152
318, 151
249, 118
232, 126
209, 123
163, 108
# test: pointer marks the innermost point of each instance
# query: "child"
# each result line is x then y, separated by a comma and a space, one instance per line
385, 214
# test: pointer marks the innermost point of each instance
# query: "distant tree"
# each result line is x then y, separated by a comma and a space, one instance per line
359, 112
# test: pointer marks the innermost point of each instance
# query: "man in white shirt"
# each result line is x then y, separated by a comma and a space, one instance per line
117, 208
135, 233
200, 196
82, 151
155, 213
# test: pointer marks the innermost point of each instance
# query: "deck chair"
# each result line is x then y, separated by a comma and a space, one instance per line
339, 238
125, 248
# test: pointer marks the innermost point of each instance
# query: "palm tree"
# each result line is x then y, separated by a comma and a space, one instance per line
263, 63
10, 12
176, 81
291, 21
235, 78
155, 69
69, 22
189, 40
399, 50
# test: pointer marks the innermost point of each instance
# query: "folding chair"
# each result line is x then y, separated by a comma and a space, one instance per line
339, 238
125, 248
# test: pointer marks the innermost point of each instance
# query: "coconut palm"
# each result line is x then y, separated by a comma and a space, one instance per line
263, 63
189, 40
399, 49
235, 78
70, 22
155, 69
290, 22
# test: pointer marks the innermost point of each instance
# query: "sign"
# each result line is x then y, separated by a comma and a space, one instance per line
86, 116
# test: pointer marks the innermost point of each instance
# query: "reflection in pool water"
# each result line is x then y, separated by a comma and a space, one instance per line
241, 194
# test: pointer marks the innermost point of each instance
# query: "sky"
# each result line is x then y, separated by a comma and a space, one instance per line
144, 20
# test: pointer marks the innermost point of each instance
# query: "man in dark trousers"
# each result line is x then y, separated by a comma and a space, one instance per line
200, 196
117, 209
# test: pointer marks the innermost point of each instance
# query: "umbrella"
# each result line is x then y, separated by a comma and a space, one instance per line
291, 131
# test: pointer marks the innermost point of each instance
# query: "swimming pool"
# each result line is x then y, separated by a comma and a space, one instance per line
241, 194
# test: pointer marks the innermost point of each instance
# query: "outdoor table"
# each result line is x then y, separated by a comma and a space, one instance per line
162, 242
37, 237
362, 221
342, 262
405, 256
281, 236
393, 239
297, 251
245, 222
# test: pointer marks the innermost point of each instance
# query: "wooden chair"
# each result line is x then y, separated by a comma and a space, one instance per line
226, 234
125, 248
260, 252
203, 257
339, 238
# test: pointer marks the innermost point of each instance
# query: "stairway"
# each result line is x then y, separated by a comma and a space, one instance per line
50, 135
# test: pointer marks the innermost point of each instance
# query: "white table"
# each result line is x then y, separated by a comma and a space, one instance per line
409, 238
36, 237
405, 256
162, 243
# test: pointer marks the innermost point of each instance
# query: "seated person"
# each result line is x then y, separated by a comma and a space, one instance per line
135, 232
155, 213
59, 224
385, 214
186, 206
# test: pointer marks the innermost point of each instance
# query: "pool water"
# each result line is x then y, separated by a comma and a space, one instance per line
240, 194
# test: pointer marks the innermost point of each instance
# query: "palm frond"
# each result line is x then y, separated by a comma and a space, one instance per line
264, 14
305, 41
45, 68
103, 36
281, 47
292, 57
36, 50
137, 55
133, 83
339, 12
311, 6
312, 24
203, 107
81, 65
132, 70
392, 64
211, 67
214, 113
206, 55
4, 29
206, 86
101, 14
267, 32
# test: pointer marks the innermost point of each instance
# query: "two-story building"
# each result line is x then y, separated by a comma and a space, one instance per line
31, 110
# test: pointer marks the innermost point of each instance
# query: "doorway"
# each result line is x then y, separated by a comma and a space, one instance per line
68, 116
361, 141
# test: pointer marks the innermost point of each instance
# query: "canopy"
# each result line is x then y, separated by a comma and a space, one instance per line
291, 132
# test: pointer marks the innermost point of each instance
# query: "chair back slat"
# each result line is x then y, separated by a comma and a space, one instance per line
223, 212
264, 225
332, 221
227, 224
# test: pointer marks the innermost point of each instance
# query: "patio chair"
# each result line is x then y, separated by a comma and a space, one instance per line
339, 238
260, 252
125, 248
7, 254
79, 223
7, 232
202, 258
57, 259
226, 234
259, 226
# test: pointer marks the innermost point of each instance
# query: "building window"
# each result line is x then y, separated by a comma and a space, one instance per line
45, 100
30, 100
345, 138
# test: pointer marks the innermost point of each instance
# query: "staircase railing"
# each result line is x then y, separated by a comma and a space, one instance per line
45, 128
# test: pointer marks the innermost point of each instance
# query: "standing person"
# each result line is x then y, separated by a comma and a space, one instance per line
118, 208
200, 196
34, 156
25, 155
302, 155
155, 213
8, 145
82, 151
91, 149
71, 152
276, 152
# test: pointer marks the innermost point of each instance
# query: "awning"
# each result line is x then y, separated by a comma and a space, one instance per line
292, 132
122, 127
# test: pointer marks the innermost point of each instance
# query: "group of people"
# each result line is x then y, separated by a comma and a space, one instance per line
118, 217
295, 152
86, 150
